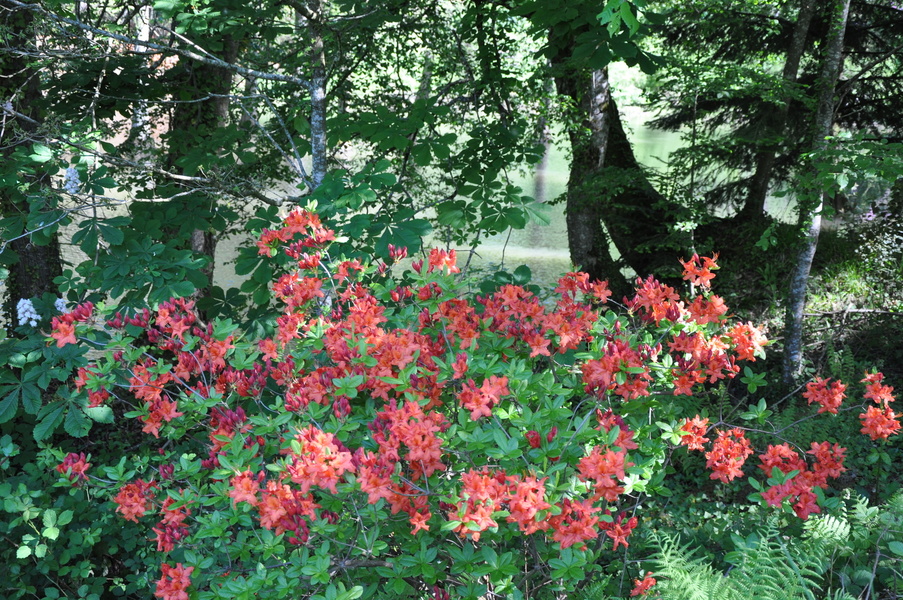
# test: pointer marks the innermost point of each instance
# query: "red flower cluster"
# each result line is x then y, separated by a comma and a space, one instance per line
74, 467
97, 394
828, 395
576, 524
174, 582
284, 509
134, 499
828, 464
729, 451
698, 271
63, 326
604, 467
644, 586
619, 529
695, 430
172, 528
148, 385
486, 492
335, 356
879, 422
479, 401
318, 460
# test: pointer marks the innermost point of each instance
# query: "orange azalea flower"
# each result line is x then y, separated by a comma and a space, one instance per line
320, 462
576, 523
829, 396
63, 332
877, 391
619, 530
174, 582
244, 488
75, 466
782, 457
729, 452
695, 428
879, 423
642, 587
480, 401
707, 310
698, 270
172, 527
747, 340
602, 469
527, 498
441, 259
134, 499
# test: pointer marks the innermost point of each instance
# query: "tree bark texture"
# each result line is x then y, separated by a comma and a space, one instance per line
812, 200
318, 98
587, 240
609, 198
33, 266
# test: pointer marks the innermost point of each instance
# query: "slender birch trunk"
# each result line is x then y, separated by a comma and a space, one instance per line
318, 98
812, 200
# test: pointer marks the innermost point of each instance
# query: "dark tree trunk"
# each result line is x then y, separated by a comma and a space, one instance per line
192, 124
609, 198
33, 266
587, 240
812, 200
774, 120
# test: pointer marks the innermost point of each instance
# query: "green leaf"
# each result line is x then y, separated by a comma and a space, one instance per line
41, 153
896, 547
77, 423
23, 552
9, 406
522, 275
629, 19
182, 289
31, 398
100, 414
50, 422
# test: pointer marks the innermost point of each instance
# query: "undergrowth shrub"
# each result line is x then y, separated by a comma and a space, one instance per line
391, 435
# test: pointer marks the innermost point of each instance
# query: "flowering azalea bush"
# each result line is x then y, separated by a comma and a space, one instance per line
391, 434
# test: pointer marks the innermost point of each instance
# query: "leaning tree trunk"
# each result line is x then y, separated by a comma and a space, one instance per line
609, 198
774, 120
812, 200
587, 240
33, 265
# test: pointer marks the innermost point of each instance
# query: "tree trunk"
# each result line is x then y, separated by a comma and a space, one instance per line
32, 267
609, 199
192, 124
812, 200
318, 99
587, 240
774, 120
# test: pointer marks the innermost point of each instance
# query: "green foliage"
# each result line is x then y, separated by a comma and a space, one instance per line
764, 566
61, 542
864, 545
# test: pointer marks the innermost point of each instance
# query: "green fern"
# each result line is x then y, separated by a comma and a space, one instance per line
767, 569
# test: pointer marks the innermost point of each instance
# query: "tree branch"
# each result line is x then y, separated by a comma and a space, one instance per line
163, 48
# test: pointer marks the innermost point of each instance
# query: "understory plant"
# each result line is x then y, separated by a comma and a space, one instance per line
393, 434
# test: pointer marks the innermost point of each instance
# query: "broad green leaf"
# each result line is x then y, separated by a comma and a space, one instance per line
47, 425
